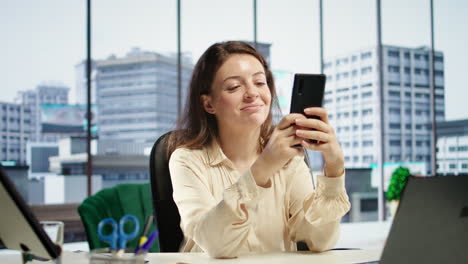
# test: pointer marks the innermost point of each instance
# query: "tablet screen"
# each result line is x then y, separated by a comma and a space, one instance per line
19, 229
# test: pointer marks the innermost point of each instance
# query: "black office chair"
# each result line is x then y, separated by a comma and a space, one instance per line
165, 210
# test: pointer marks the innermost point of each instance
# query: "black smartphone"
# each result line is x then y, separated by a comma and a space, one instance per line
308, 91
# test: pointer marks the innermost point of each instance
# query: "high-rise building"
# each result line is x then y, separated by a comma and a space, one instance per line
81, 84
353, 98
15, 129
137, 99
452, 147
46, 93
263, 48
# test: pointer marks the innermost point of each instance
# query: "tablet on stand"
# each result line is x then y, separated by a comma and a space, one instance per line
19, 228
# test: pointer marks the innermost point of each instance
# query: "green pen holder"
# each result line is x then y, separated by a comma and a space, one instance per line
107, 256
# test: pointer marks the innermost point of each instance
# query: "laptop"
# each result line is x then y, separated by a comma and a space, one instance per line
19, 229
431, 223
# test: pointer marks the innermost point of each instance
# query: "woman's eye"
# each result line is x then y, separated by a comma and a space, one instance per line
232, 88
260, 83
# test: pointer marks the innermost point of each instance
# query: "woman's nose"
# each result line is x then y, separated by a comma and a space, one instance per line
251, 91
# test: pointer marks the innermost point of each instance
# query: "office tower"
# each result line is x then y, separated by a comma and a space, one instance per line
15, 129
452, 147
45, 93
353, 95
137, 99
81, 85
263, 48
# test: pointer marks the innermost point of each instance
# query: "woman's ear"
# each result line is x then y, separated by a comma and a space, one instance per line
206, 99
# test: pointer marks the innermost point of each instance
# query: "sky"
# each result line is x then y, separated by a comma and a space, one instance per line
43, 40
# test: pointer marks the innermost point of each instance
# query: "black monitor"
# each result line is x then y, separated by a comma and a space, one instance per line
19, 229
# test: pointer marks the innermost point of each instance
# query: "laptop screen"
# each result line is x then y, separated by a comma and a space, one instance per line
430, 225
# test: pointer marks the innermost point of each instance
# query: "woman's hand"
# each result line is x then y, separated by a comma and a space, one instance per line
327, 143
278, 151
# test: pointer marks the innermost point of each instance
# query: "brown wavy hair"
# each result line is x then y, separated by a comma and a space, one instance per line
197, 128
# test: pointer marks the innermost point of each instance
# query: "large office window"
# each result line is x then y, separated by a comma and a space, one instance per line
449, 38
42, 43
135, 83
293, 47
350, 61
209, 21
134, 48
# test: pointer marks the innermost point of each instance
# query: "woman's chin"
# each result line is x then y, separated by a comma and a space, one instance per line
255, 121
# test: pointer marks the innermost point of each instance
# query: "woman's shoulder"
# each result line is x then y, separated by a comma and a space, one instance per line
188, 155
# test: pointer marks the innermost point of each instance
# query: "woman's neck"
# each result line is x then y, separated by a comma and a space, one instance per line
240, 145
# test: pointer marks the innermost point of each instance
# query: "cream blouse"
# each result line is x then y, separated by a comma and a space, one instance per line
209, 191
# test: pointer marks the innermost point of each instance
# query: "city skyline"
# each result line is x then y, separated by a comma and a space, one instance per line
58, 47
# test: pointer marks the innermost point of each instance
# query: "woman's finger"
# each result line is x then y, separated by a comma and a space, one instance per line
317, 111
312, 123
289, 120
313, 135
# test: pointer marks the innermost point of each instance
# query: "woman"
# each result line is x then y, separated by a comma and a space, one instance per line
239, 183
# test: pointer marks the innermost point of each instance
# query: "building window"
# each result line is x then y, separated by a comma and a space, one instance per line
366, 55
366, 126
393, 53
366, 112
395, 143
367, 158
395, 94
462, 148
395, 125
453, 166
366, 70
439, 73
366, 94
367, 143
394, 69
465, 166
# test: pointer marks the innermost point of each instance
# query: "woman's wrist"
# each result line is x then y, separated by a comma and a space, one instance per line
261, 173
333, 171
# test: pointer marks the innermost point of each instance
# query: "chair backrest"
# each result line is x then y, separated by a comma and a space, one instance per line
165, 210
116, 202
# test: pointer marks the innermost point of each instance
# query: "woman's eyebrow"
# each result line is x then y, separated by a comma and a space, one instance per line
239, 77
231, 77
257, 73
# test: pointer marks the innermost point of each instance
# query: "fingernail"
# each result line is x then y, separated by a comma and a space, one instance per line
307, 110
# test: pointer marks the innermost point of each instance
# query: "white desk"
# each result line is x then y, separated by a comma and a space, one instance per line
332, 257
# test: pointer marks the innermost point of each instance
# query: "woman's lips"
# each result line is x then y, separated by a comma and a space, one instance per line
251, 107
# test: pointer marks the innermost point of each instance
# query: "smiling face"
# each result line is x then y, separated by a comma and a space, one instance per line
240, 96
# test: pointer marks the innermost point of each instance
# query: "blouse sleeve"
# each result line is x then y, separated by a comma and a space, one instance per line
220, 228
315, 215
